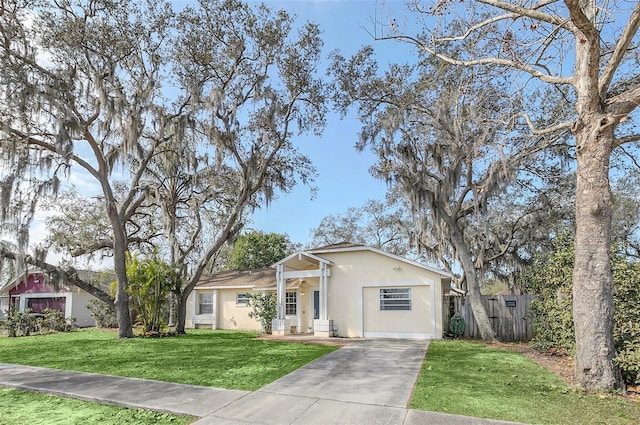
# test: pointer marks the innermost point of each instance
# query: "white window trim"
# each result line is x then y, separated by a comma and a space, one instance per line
22, 300
293, 304
245, 298
200, 303
393, 306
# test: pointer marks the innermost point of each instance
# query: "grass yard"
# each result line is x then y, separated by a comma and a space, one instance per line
225, 359
473, 379
20, 407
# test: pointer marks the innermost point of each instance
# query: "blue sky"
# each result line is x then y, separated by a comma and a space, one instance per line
343, 179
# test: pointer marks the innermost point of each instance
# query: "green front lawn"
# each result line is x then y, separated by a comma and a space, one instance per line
472, 379
225, 359
20, 407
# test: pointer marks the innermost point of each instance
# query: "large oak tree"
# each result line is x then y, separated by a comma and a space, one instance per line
589, 47
444, 139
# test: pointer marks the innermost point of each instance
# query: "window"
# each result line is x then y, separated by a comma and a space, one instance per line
205, 303
291, 304
38, 304
242, 298
395, 299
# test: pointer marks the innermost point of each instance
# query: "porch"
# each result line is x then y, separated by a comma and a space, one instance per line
305, 309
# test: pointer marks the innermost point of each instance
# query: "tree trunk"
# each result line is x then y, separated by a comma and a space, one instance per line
121, 300
473, 286
592, 278
182, 300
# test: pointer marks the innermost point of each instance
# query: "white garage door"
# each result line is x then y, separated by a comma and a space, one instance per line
397, 312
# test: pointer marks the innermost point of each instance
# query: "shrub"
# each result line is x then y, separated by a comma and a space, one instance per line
25, 323
150, 281
263, 308
550, 279
103, 315
19, 323
53, 320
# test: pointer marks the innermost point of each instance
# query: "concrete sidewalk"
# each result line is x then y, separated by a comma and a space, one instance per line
366, 382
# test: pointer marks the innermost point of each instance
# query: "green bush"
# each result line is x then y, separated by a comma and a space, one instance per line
550, 279
25, 323
54, 321
19, 323
103, 315
263, 308
150, 281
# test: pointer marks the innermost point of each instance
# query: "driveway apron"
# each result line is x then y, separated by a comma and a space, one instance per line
369, 380
380, 372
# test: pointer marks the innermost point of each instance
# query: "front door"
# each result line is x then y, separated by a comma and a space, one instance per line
316, 304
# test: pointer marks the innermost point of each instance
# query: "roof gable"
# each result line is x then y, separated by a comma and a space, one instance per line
344, 247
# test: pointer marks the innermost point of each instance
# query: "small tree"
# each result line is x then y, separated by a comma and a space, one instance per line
263, 308
150, 281
254, 250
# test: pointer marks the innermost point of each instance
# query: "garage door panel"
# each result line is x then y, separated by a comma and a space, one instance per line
414, 321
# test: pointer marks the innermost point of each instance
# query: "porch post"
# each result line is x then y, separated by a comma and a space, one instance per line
323, 292
323, 326
280, 325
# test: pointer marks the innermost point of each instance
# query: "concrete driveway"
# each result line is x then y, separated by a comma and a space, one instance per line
367, 382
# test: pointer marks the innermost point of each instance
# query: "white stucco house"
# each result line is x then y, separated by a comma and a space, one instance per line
344, 290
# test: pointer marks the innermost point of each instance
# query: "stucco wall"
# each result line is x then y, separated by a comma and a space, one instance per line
235, 316
79, 308
415, 322
354, 270
226, 313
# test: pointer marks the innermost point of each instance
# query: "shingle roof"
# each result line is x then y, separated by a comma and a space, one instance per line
256, 278
336, 246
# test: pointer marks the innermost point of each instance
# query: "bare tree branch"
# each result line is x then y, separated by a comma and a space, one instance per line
626, 38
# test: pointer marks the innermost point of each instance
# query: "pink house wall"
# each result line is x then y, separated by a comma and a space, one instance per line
35, 285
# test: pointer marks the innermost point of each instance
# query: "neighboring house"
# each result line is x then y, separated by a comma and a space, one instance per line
32, 290
341, 290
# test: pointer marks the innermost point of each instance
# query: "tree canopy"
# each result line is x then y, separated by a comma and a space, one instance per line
255, 250
186, 116
444, 140
382, 225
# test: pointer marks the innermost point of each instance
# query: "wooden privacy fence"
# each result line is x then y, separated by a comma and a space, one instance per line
508, 314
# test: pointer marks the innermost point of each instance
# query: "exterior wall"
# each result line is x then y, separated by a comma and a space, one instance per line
226, 313
233, 316
189, 319
355, 270
4, 306
414, 323
77, 303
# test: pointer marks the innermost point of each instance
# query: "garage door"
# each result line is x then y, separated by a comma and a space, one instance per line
396, 312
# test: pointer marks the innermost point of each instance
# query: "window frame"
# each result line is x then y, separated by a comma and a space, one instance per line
201, 296
291, 303
242, 299
392, 299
